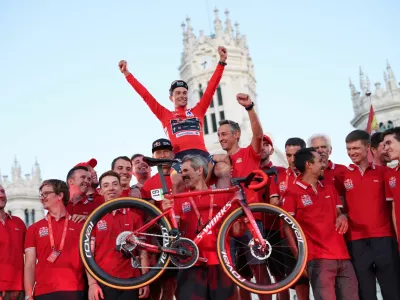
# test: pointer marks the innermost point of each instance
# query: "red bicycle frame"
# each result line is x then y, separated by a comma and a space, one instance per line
210, 225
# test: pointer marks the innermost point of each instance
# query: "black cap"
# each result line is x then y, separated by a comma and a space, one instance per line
176, 84
161, 144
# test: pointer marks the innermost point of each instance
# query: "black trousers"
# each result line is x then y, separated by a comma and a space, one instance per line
376, 258
74, 295
114, 294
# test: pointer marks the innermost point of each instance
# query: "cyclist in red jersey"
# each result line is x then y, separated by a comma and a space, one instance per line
183, 125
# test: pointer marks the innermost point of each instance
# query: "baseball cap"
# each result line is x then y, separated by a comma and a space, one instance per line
178, 83
268, 140
90, 163
161, 144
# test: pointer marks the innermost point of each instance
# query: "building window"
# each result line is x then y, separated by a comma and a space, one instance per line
33, 216
200, 91
205, 125
214, 122
219, 96
221, 115
26, 217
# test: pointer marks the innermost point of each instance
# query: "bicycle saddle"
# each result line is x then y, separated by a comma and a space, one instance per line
158, 161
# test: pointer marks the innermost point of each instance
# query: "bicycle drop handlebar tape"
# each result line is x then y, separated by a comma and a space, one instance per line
251, 178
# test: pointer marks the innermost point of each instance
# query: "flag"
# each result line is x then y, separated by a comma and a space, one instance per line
372, 125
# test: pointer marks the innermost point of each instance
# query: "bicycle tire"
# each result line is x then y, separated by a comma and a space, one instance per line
89, 261
237, 278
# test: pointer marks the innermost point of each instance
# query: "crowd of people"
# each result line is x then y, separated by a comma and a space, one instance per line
348, 213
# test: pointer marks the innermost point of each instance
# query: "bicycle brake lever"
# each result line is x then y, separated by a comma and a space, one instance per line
272, 171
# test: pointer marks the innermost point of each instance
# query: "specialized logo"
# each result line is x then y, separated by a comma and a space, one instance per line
392, 182
102, 225
306, 199
348, 184
186, 207
43, 231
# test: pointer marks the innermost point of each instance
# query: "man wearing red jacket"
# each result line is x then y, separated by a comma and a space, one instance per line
183, 126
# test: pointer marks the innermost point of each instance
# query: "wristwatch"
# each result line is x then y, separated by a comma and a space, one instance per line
222, 63
250, 107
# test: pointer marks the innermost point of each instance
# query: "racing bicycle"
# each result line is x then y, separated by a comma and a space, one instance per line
161, 236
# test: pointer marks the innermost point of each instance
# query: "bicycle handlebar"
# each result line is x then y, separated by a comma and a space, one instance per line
262, 181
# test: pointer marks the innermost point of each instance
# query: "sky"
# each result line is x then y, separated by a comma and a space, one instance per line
63, 99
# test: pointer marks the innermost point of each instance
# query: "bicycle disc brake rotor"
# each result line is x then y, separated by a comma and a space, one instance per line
121, 240
257, 252
189, 253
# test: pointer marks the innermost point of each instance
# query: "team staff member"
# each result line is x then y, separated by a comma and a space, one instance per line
78, 206
122, 165
52, 259
93, 194
391, 144
371, 242
317, 208
142, 173
183, 126
380, 157
202, 281
322, 144
103, 243
286, 180
12, 235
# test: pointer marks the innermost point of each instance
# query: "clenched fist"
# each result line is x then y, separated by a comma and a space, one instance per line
223, 53
244, 100
123, 67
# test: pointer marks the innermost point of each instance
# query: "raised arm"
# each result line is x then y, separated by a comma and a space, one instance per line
151, 102
256, 141
205, 101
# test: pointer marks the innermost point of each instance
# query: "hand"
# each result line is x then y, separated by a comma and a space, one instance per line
167, 203
123, 67
243, 99
95, 292
223, 53
342, 224
144, 292
78, 218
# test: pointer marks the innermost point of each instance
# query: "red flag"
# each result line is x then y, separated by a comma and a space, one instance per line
372, 127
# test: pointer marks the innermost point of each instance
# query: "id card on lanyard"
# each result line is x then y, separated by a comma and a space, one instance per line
199, 218
56, 253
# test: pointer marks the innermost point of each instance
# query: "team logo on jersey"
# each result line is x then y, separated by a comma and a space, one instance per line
43, 231
306, 199
282, 186
392, 182
348, 184
102, 225
239, 160
186, 207
189, 114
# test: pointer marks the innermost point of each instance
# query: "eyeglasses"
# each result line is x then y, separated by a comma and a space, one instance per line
45, 194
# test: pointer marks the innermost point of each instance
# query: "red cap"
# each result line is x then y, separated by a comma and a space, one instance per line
90, 163
268, 140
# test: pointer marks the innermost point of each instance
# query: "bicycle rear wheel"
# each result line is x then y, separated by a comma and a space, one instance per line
290, 272
88, 258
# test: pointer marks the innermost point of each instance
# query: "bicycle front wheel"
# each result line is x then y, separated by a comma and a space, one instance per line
159, 232
278, 260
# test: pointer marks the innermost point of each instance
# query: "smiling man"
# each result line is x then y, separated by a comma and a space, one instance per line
122, 165
142, 173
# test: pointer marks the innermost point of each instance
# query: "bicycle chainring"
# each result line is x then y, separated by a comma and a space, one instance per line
121, 241
189, 253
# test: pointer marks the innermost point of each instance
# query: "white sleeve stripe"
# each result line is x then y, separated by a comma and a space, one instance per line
30, 248
339, 205
389, 199
292, 213
274, 195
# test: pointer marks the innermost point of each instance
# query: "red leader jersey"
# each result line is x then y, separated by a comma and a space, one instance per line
85, 206
335, 171
366, 205
67, 271
105, 236
245, 161
12, 236
392, 183
189, 221
152, 189
316, 212
184, 126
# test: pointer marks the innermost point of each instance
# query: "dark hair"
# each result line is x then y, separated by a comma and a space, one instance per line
72, 171
395, 131
233, 125
358, 135
296, 141
376, 139
303, 156
136, 155
126, 158
58, 186
109, 173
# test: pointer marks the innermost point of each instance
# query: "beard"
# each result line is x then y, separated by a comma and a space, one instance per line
321, 177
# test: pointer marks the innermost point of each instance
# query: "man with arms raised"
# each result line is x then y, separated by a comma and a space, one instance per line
183, 126
317, 208
371, 242
53, 267
104, 237
204, 281
12, 235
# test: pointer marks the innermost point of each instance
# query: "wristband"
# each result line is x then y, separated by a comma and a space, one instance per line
222, 63
250, 107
